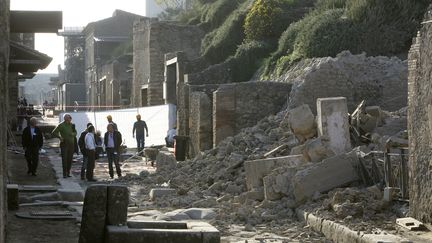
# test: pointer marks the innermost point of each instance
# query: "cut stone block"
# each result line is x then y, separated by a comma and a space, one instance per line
12, 196
302, 122
410, 224
152, 231
329, 174
165, 161
200, 213
318, 149
117, 205
278, 183
94, 214
160, 192
177, 215
257, 169
332, 119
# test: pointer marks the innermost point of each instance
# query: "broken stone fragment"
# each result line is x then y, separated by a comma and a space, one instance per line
318, 149
329, 174
278, 183
302, 122
165, 161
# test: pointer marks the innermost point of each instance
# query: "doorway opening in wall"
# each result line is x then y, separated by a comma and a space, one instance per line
170, 84
144, 96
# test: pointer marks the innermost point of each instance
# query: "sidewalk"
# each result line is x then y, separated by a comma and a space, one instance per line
36, 231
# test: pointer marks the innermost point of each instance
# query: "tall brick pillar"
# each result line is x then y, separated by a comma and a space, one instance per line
4, 101
224, 114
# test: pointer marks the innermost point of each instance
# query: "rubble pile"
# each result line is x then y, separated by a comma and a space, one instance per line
261, 175
362, 209
381, 80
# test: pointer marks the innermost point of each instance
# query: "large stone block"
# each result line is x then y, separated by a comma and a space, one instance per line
117, 205
94, 214
317, 149
162, 232
329, 174
165, 161
257, 169
12, 197
332, 119
302, 122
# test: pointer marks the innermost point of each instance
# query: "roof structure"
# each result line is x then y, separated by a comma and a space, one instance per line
24, 59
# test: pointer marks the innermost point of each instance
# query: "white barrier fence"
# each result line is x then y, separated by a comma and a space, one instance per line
158, 118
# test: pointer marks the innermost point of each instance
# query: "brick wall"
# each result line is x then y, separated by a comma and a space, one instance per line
420, 123
230, 107
152, 40
4, 62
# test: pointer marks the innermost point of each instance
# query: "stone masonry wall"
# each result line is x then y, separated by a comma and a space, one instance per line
152, 40
420, 123
248, 103
4, 63
252, 102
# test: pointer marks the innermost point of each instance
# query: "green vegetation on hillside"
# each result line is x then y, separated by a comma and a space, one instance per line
261, 21
376, 27
283, 32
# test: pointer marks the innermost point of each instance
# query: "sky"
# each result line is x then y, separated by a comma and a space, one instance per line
75, 13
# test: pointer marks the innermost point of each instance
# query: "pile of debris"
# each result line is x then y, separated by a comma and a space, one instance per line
263, 173
380, 80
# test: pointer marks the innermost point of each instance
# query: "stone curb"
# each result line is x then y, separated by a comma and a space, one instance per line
341, 234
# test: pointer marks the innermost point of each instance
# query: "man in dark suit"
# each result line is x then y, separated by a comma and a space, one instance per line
113, 141
32, 141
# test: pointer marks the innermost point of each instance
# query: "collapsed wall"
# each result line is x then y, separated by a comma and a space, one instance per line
420, 123
378, 80
220, 111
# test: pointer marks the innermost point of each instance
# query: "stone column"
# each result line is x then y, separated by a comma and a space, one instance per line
332, 119
94, 215
117, 205
4, 64
224, 109
201, 123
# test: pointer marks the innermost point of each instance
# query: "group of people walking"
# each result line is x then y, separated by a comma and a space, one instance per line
32, 142
87, 144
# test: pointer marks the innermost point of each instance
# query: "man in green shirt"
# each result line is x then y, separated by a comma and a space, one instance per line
66, 132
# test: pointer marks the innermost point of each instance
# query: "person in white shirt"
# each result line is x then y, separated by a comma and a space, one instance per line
169, 139
90, 145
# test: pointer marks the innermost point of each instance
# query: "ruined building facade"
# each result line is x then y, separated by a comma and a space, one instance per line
115, 82
105, 40
152, 40
420, 122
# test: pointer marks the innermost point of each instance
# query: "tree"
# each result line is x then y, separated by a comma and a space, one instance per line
175, 4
